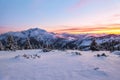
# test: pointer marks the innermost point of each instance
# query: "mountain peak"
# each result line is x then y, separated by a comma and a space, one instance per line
36, 29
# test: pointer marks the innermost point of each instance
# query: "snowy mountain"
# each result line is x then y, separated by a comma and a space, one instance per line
40, 38
34, 32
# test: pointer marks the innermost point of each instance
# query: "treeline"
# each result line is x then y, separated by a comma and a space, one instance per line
12, 43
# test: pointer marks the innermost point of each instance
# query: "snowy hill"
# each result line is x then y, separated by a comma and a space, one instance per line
34, 32
40, 38
59, 65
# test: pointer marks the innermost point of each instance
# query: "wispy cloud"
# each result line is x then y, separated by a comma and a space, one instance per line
113, 19
111, 28
116, 15
79, 4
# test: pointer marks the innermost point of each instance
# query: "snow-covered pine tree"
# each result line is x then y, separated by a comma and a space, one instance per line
16, 45
28, 44
1, 46
11, 43
94, 46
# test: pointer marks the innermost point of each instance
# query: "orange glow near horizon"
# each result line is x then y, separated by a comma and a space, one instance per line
109, 29
99, 29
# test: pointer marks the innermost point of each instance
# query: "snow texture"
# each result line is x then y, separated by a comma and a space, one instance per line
59, 65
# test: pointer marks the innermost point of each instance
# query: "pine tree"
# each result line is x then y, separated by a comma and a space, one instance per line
28, 44
1, 46
11, 43
94, 46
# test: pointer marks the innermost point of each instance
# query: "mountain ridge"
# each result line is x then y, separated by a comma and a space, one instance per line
39, 37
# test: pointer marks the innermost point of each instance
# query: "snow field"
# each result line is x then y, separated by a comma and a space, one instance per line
59, 65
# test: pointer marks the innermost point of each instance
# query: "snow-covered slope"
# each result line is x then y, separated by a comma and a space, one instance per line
39, 37
59, 65
34, 32
37, 34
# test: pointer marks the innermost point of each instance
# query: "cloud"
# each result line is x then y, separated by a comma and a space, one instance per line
83, 3
116, 15
115, 18
79, 4
110, 28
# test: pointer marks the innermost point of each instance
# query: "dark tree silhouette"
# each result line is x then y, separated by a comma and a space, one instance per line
1, 46
11, 44
28, 44
94, 46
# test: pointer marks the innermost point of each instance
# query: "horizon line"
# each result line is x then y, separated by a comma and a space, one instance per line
97, 29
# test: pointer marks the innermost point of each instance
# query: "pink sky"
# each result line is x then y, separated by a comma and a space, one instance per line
59, 16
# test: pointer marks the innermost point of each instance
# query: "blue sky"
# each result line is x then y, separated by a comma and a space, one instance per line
57, 14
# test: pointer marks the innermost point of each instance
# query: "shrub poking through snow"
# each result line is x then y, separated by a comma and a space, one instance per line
103, 54
96, 68
27, 56
46, 50
98, 55
76, 53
